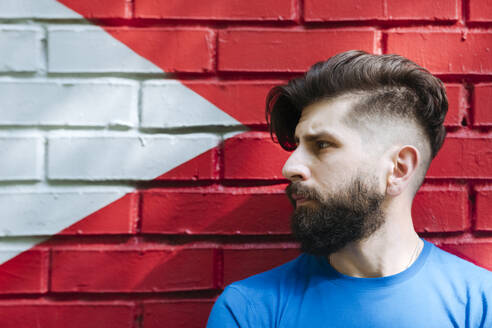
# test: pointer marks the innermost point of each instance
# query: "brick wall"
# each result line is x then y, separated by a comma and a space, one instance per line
138, 178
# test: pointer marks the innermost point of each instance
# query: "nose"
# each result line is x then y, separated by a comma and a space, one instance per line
295, 168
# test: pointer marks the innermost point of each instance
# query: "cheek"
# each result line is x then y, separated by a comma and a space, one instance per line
329, 178
335, 171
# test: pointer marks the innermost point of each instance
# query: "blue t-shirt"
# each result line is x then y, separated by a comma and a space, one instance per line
438, 290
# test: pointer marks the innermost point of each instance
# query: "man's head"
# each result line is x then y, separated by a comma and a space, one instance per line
363, 129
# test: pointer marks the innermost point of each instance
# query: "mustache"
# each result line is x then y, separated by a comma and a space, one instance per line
303, 191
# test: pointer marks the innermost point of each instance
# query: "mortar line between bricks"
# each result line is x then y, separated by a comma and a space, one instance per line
131, 6
383, 42
169, 242
171, 131
45, 160
378, 42
258, 24
469, 106
44, 52
138, 224
300, 11
220, 159
471, 206
139, 105
215, 52
139, 314
111, 297
221, 77
465, 12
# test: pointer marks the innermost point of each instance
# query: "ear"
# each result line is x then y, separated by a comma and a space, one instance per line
404, 163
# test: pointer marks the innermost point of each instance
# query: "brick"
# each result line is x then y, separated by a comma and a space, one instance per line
482, 108
274, 50
14, 314
177, 313
437, 10
242, 263
24, 273
171, 104
100, 8
213, 212
444, 52
438, 209
463, 157
20, 47
356, 10
105, 102
351, 10
47, 213
480, 11
143, 270
119, 217
122, 49
479, 253
64, 9
456, 105
22, 158
12, 9
244, 100
264, 10
201, 167
125, 158
483, 208
253, 155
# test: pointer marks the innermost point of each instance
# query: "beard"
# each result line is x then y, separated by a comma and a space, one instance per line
350, 215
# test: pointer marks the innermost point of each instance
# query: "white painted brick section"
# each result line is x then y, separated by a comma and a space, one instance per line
169, 103
21, 158
91, 49
20, 48
122, 158
47, 213
35, 9
69, 102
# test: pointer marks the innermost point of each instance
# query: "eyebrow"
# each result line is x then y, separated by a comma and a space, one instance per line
318, 135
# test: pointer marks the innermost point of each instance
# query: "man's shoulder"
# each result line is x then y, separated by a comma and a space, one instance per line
271, 280
457, 267
252, 301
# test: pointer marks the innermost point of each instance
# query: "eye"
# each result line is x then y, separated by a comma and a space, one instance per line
323, 144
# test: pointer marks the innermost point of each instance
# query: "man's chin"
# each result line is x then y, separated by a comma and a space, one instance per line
309, 247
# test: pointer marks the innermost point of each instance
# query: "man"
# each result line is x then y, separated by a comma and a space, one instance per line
363, 129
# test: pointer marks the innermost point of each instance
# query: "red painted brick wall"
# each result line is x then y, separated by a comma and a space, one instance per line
165, 252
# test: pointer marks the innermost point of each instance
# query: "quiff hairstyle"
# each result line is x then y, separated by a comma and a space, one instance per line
388, 87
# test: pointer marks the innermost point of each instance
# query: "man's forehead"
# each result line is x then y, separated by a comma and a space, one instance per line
325, 116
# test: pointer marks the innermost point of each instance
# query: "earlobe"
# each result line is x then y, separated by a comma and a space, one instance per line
392, 187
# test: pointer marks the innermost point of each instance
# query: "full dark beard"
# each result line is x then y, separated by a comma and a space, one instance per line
327, 226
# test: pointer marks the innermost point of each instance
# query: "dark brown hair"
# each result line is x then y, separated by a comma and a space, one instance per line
390, 85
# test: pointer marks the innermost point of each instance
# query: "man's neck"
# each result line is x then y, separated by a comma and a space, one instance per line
388, 251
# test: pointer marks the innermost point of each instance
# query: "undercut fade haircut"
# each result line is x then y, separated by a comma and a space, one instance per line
387, 86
